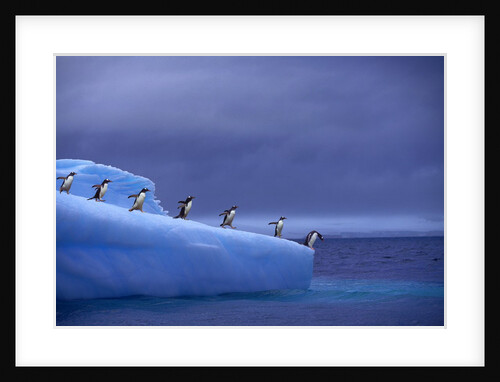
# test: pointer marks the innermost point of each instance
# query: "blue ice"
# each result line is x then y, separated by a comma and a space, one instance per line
103, 250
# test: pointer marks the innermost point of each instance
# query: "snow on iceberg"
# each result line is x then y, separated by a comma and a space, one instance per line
103, 250
123, 183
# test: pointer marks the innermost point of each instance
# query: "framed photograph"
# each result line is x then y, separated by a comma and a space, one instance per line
266, 192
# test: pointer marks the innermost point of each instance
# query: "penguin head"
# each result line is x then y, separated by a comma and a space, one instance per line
106, 180
72, 173
282, 218
145, 189
190, 197
234, 207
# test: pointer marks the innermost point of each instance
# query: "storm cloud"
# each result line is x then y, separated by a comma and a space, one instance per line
331, 138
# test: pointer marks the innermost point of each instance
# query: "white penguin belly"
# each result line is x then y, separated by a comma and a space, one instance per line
67, 183
140, 200
103, 190
313, 239
279, 227
230, 217
187, 208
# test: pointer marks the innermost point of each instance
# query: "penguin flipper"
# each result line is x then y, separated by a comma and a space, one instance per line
61, 177
273, 223
224, 213
133, 196
97, 185
182, 205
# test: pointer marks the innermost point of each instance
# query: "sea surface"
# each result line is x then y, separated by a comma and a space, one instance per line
356, 282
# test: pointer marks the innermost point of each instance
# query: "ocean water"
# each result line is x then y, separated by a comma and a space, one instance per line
356, 282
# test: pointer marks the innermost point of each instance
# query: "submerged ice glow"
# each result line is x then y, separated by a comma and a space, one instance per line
103, 250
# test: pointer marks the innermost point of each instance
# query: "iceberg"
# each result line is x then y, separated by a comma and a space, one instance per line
105, 251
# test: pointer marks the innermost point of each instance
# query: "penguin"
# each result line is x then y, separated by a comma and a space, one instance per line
279, 226
311, 238
67, 182
100, 190
228, 217
186, 207
139, 200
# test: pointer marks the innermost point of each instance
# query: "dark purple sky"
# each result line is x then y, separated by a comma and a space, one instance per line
334, 143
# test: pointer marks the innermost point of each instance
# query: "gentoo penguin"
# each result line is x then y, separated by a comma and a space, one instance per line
67, 182
228, 217
139, 200
311, 238
279, 226
100, 190
186, 207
